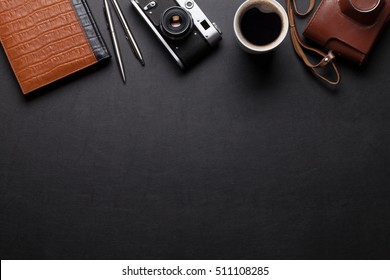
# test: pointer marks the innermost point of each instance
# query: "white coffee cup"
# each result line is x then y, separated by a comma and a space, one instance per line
265, 7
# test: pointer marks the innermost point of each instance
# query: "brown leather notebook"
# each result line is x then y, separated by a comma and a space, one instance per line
46, 40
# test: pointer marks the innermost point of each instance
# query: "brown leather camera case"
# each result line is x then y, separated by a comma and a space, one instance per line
348, 27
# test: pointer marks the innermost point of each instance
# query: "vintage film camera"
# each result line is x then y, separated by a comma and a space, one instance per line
350, 28
182, 28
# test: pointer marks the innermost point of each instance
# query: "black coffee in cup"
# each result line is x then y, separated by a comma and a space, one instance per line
260, 28
260, 25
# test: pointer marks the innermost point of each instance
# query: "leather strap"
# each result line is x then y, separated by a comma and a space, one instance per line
301, 48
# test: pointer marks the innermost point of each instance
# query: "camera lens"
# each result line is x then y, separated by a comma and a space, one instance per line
176, 23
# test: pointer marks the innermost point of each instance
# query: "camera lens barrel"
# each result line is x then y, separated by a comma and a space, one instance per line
176, 23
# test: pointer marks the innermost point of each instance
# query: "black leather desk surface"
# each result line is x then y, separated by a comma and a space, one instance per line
241, 157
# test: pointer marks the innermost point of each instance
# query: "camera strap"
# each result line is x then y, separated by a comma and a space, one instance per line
301, 48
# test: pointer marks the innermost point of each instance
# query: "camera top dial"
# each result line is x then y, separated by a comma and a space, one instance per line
363, 11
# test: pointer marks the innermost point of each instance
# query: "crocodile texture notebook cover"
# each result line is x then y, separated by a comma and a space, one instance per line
46, 40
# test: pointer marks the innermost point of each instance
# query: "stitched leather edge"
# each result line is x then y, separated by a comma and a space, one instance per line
100, 50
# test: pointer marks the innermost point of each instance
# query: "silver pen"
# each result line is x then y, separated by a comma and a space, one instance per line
129, 35
111, 28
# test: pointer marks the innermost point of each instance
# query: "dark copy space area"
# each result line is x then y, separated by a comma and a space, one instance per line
241, 157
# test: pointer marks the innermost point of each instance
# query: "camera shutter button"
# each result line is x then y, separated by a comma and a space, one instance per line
363, 11
189, 4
